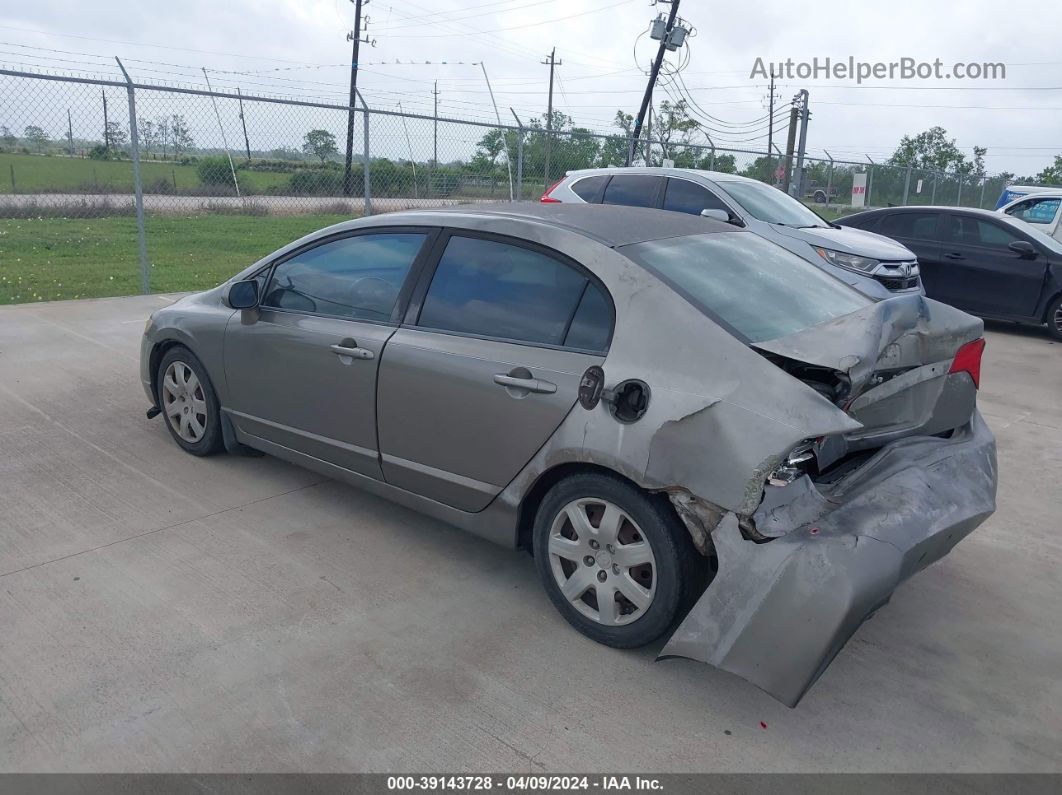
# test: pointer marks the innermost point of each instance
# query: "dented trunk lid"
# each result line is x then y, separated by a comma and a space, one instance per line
891, 363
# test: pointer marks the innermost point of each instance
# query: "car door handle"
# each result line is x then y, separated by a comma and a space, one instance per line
954, 255
530, 384
353, 353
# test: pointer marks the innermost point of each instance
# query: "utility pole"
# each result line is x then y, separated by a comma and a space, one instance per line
552, 62
355, 36
789, 145
770, 128
802, 98
243, 121
653, 72
106, 125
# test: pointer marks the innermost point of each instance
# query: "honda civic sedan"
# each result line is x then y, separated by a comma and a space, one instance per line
699, 435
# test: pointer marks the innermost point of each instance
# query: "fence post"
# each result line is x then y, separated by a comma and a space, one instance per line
134, 144
829, 177
365, 165
958, 197
933, 195
870, 181
984, 181
519, 157
711, 157
907, 184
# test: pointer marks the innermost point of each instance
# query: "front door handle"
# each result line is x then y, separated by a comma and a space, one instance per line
525, 384
353, 352
954, 255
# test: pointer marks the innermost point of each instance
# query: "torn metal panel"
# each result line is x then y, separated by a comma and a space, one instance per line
777, 613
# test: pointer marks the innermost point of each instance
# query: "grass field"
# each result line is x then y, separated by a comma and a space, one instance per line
58, 174
58, 258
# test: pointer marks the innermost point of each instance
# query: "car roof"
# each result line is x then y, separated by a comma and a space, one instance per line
936, 208
658, 171
611, 224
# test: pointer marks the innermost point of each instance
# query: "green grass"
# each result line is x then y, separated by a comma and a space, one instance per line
60, 174
52, 259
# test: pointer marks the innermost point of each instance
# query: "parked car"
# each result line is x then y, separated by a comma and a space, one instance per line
1040, 209
1012, 192
874, 265
986, 263
695, 431
819, 193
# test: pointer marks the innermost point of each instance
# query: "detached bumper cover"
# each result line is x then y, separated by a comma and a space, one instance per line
778, 612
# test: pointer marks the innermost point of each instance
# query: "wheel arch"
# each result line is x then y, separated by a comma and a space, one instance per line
158, 350
1050, 302
525, 519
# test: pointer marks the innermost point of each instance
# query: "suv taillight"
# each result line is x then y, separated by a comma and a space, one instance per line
968, 360
546, 196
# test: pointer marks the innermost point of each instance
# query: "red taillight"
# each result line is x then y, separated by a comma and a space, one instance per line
968, 360
546, 196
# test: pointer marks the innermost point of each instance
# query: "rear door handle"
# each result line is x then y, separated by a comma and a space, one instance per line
530, 384
954, 255
353, 353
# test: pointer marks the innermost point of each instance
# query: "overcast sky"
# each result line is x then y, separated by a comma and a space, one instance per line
298, 47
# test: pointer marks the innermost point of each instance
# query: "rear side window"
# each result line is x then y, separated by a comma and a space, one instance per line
683, 196
757, 288
355, 277
632, 190
494, 289
1036, 211
589, 188
922, 226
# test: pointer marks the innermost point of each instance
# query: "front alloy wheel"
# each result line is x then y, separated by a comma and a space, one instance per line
184, 402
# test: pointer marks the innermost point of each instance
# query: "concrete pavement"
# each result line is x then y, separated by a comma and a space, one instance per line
160, 612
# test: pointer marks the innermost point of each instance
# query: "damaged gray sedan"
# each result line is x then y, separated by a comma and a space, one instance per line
696, 432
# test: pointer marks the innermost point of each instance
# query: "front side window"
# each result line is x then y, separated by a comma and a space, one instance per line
355, 277
968, 231
683, 196
493, 289
757, 288
921, 226
632, 190
1036, 211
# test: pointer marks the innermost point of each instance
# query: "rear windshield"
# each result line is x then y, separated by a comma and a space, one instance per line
751, 285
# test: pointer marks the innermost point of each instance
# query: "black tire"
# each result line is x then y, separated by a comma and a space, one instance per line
820, 197
211, 440
1054, 319
679, 570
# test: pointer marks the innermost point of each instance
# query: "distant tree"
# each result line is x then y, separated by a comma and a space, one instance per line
180, 135
162, 131
285, 153
673, 127
115, 135
1052, 175
724, 163
8, 138
932, 150
36, 136
614, 148
148, 134
489, 147
320, 144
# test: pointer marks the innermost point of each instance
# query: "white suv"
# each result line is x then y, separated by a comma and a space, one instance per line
873, 264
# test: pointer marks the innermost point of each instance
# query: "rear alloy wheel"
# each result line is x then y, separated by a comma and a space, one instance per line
616, 562
1054, 319
187, 401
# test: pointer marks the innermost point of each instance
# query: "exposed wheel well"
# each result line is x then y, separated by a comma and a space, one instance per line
546, 481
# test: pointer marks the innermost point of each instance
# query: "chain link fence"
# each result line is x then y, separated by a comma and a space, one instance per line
112, 187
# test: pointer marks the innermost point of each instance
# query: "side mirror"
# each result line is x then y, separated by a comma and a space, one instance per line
717, 215
1024, 248
243, 295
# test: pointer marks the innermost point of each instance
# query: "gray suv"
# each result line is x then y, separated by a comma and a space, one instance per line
873, 264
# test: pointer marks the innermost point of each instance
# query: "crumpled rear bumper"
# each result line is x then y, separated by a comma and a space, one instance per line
778, 612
